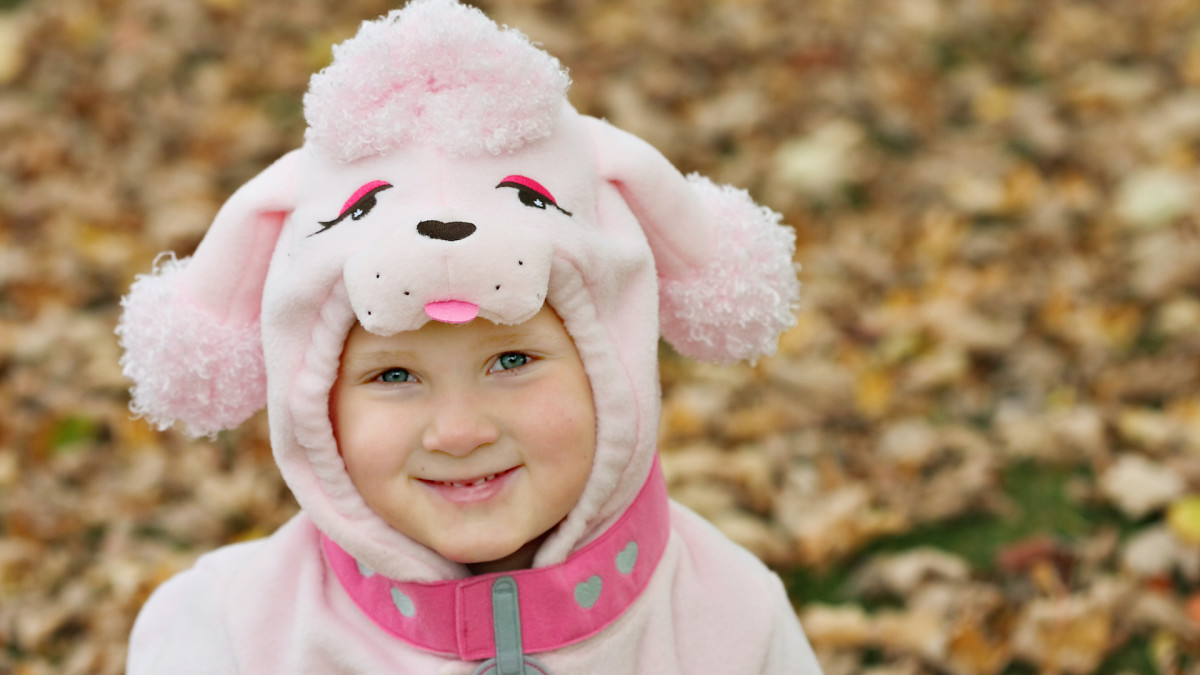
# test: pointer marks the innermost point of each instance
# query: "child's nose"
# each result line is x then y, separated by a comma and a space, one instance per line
458, 427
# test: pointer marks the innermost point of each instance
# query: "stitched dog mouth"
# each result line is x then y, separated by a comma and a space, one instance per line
407, 280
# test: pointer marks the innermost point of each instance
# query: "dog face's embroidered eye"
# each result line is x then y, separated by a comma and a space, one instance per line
358, 206
531, 192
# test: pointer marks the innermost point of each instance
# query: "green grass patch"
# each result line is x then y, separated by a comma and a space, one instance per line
74, 433
1131, 657
1042, 508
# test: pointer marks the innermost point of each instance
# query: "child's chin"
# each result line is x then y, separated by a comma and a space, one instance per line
478, 555
497, 558
475, 559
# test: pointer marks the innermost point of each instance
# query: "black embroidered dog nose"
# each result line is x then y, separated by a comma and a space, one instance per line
452, 231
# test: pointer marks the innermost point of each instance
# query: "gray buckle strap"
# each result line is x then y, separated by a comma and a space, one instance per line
506, 627
506, 623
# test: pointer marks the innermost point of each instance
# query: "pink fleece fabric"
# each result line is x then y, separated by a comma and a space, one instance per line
629, 250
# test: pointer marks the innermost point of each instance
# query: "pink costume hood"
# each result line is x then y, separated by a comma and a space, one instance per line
444, 176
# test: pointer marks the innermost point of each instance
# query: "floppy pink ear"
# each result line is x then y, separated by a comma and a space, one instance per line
727, 282
190, 329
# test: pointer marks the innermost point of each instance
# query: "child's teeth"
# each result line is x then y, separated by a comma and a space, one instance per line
460, 483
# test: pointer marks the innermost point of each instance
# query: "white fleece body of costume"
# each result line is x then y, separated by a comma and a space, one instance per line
272, 606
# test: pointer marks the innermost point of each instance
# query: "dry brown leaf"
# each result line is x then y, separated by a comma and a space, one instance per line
1138, 486
1071, 634
901, 574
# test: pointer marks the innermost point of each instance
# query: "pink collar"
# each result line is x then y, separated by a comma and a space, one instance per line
558, 605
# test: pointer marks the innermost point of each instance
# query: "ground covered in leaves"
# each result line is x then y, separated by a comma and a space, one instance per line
977, 452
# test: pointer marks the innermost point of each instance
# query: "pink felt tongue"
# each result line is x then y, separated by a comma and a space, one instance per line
452, 311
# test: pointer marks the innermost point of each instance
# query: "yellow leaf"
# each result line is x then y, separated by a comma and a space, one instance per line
1183, 516
873, 393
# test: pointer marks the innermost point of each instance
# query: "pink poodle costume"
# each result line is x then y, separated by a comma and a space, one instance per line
444, 176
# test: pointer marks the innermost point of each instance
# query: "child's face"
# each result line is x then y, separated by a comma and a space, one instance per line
472, 440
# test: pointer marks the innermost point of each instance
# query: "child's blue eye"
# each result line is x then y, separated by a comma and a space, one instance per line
395, 375
511, 360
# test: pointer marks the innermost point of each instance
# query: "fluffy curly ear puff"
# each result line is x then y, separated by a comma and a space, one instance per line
727, 282
190, 330
746, 295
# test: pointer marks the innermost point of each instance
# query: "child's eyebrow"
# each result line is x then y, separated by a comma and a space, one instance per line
379, 356
509, 338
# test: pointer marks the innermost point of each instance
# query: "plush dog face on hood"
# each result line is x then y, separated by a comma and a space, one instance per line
436, 184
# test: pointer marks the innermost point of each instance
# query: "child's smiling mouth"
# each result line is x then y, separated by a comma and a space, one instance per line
471, 489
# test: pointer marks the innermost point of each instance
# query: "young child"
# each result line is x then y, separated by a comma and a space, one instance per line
450, 300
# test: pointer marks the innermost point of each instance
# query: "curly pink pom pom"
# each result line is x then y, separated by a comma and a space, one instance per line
434, 72
738, 305
183, 364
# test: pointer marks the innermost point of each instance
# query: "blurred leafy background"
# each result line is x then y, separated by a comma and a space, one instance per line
977, 452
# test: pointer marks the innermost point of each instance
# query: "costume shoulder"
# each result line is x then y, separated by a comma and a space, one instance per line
187, 625
182, 628
737, 597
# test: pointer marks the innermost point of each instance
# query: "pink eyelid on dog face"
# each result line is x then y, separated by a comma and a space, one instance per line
532, 185
359, 193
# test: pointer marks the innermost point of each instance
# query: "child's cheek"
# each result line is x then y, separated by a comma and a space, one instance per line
333, 420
